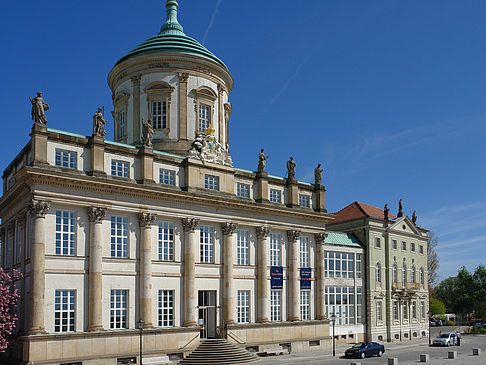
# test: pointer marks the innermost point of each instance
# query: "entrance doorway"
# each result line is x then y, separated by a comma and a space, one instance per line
207, 312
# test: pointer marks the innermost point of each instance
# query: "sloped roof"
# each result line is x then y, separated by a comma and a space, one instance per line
343, 239
357, 210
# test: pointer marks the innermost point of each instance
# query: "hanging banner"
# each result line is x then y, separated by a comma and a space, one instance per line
305, 278
276, 275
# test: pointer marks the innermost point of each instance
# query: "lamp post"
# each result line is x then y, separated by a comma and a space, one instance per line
140, 328
428, 320
333, 319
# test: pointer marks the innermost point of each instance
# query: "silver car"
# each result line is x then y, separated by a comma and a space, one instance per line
446, 339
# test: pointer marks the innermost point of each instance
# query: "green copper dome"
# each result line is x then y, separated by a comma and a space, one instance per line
172, 39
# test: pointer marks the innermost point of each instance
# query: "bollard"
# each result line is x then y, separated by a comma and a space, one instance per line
424, 357
452, 355
355, 363
392, 361
476, 352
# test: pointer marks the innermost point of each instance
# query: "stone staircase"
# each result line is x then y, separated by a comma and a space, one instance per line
219, 351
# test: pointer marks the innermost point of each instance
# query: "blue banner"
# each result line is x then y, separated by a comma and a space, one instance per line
276, 275
305, 278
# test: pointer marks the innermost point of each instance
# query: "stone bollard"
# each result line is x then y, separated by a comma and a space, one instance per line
452, 355
424, 357
392, 361
476, 352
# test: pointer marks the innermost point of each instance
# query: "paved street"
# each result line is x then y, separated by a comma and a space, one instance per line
406, 352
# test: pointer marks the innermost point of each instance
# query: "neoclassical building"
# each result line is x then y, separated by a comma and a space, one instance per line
160, 225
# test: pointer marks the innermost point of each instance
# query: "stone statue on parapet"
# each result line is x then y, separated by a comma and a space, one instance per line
291, 168
39, 108
262, 161
400, 209
318, 175
386, 211
414, 217
147, 133
99, 124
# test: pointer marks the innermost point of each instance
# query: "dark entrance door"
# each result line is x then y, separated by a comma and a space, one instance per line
207, 313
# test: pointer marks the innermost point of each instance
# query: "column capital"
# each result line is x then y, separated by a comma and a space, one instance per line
262, 232
293, 235
320, 237
146, 219
38, 208
96, 214
189, 224
183, 76
221, 89
136, 78
228, 228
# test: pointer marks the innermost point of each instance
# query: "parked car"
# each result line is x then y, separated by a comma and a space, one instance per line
364, 349
445, 339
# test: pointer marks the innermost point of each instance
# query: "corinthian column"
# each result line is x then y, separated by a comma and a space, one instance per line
228, 294
262, 288
293, 276
145, 255
38, 210
320, 277
95, 278
190, 245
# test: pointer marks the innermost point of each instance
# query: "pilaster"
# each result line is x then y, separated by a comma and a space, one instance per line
228, 286
320, 198
39, 145
190, 245
262, 187
183, 77
136, 109
293, 276
262, 282
292, 193
146, 165
145, 279
97, 154
320, 276
221, 90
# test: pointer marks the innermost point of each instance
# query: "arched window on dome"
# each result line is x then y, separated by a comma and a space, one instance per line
204, 99
120, 115
159, 96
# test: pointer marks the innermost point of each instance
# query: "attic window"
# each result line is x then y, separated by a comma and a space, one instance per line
404, 227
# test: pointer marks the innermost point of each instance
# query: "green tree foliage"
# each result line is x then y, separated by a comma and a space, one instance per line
436, 306
432, 261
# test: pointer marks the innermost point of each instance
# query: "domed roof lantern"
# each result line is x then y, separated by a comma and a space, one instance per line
171, 25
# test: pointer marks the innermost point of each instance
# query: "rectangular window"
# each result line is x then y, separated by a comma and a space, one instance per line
379, 312
304, 251
65, 159
275, 196
242, 248
65, 233
377, 242
414, 310
243, 190
121, 120
159, 114
421, 249
340, 302
275, 305
204, 117
358, 265
166, 241
412, 246
166, 308
206, 244
394, 244
167, 177
118, 309
275, 259
359, 318
422, 309
211, 182
405, 311
404, 246
119, 168
64, 310
395, 311
119, 237
243, 306
304, 201
304, 305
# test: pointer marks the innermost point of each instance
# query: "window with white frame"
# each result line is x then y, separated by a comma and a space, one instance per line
395, 273
339, 264
243, 190
377, 242
422, 309
422, 276
166, 308
395, 310
359, 318
404, 274
118, 309
119, 168
405, 311
159, 114
64, 310
412, 246
159, 99
275, 305
305, 305
65, 158
414, 310
204, 117
413, 275
421, 249
304, 251
379, 310
206, 244
275, 196
340, 302
404, 246
358, 265
394, 244
378, 272
211, 182
65, 233
119, 237
243, 306
167, 177
242, 247
122, 124
304, 201
275, 254
166, 241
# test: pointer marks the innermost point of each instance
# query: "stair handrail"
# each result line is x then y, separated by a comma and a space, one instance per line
236, 338
180, 348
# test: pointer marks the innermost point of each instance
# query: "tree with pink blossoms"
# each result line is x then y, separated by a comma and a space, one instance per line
9, 298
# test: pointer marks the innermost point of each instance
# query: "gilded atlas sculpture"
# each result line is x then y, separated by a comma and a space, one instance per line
262, 161
318, 175
39, 107
148, 133
206, 148
99, 123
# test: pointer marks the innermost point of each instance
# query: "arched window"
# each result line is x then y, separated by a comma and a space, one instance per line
159, 96
422, 276
205, 99
404, 274
378, 272
413, 275
395, 273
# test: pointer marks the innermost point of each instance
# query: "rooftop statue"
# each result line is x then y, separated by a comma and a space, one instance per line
386, 211
262, 161
318, 175
400, 209
414, 217
98, 123
39, 108
148, 133
291, 168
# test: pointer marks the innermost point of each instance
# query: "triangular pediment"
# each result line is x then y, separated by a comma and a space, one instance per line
405, 225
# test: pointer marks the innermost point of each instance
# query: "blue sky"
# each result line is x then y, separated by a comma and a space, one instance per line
390, 96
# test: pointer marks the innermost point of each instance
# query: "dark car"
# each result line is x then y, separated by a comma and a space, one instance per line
364, 349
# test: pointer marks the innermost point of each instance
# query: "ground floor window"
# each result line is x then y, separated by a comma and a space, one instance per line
166, 308
64, 310
118, 309
275, 305
243, 306
344, 303
305, 305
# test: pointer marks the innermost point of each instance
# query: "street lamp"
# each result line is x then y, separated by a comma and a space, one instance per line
333, 319
140, 328
428, 319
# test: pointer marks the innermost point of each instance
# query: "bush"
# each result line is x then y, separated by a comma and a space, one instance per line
450, 323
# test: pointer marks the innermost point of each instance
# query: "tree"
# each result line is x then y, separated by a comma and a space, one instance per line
432, 261
8, 301
436, 306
